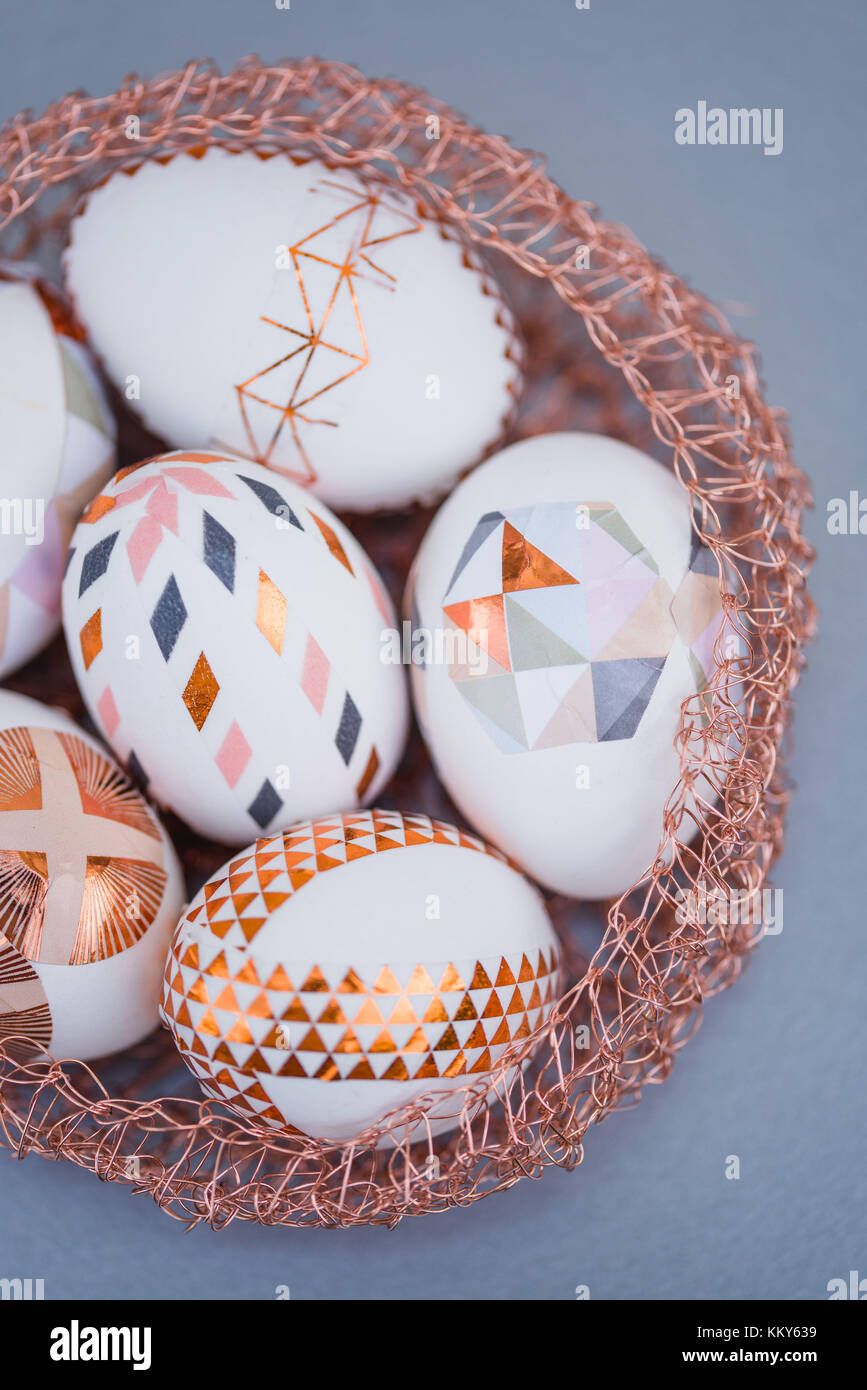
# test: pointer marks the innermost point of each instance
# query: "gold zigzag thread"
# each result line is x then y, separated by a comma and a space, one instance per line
312, 338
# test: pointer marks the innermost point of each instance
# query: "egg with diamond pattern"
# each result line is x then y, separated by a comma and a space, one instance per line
225, 631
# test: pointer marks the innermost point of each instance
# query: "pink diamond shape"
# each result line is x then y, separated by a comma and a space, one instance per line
142, 545
135, 492
163, 507
197, 480
314, 675
234, 755
108, 712
379, 594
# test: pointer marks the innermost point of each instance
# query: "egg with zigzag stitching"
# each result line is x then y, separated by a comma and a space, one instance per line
336, 331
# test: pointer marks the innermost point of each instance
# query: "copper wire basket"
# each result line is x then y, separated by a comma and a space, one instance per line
615, 343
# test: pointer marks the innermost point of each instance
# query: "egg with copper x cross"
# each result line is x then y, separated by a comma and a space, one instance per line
90, 889
328, 978
226, 633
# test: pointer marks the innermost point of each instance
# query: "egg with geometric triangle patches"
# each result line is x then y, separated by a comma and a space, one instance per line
562, 612
332, 975
90, 890
57, 448
335, 331
225, 632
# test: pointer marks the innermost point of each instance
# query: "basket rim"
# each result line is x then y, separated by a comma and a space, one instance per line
665, 296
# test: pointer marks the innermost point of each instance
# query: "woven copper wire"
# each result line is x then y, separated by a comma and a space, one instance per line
623, 347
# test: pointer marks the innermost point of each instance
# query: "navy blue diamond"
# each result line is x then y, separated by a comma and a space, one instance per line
265, 805
701, 559
69, 554
271, 500
218, 547
95, 562
137, 774
347, 734
622, 691
168, 617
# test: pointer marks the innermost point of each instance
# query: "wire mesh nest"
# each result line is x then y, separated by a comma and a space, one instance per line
617, 344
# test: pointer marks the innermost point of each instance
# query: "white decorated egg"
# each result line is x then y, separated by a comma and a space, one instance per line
330, 975
224, 628
290, 313
90, 890
18, 709
562, 611
56, 450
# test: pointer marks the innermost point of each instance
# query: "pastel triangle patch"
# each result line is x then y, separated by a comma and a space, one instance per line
497, 697
534, 645
613, 523
575, 720
540, 695
561, 610
695, 605
482, 530
648, 630
612, 600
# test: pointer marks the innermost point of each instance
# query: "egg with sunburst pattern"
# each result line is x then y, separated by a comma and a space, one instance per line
90, 888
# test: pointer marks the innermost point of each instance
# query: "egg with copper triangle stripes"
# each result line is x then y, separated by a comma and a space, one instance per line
225, 629
330, 976
90, 890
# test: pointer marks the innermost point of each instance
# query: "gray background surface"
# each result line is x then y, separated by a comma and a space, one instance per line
776, 1073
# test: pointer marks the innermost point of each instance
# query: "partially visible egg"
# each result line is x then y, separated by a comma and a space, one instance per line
90, 890
225, 631
18, 709
290, 313
562, 611
57, 448
334, 973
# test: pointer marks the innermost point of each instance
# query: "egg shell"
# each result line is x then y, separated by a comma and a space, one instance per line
287, 312
595, 611
332, 974
57, 448
225, 630
18, 709
91, 888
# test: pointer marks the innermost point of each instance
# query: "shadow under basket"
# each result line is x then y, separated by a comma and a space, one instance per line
616, 344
